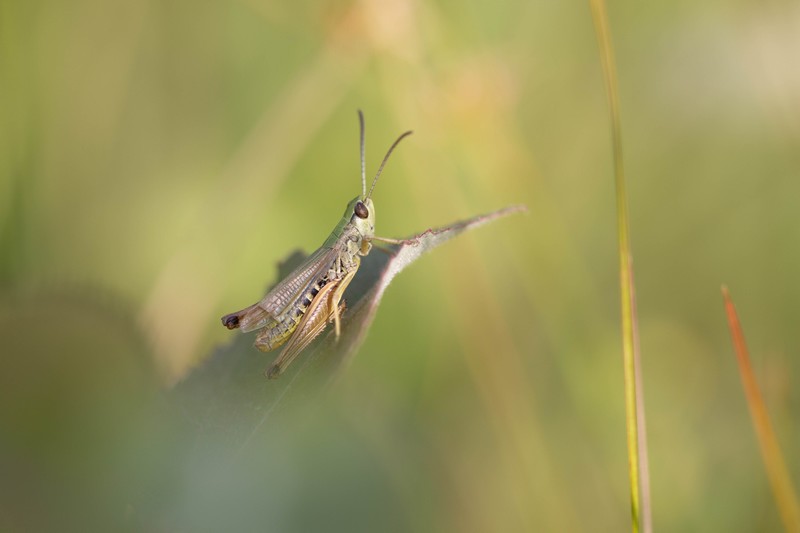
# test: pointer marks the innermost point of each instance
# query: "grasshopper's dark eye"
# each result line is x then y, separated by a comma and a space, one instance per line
361, 210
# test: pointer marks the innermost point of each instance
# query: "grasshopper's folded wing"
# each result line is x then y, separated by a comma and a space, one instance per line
284, 293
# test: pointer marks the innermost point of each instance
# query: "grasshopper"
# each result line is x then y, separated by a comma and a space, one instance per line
300, 306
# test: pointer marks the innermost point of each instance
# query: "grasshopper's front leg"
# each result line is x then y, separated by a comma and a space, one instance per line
410, 242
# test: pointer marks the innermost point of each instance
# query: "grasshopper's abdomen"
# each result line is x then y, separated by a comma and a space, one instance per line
280, 329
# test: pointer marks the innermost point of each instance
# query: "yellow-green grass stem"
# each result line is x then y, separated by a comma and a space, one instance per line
641, 515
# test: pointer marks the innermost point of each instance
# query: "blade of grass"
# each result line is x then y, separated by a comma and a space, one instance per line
782, 488
634, 398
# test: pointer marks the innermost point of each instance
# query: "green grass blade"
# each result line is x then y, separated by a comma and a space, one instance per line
785, 494
634, 400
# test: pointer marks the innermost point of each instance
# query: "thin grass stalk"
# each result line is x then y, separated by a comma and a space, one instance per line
639, 476
781, 483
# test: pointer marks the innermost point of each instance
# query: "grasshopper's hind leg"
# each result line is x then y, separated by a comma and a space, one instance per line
337, 297
311, 324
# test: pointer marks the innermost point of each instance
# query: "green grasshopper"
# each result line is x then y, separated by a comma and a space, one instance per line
299, 307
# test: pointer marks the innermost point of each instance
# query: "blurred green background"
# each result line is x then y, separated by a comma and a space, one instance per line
157, 158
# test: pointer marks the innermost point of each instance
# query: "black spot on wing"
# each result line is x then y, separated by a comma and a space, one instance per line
231, 321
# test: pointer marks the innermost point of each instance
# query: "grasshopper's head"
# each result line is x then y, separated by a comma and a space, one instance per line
362, 215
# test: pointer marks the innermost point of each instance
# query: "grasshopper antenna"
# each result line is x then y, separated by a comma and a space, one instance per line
363, 163
385, 159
